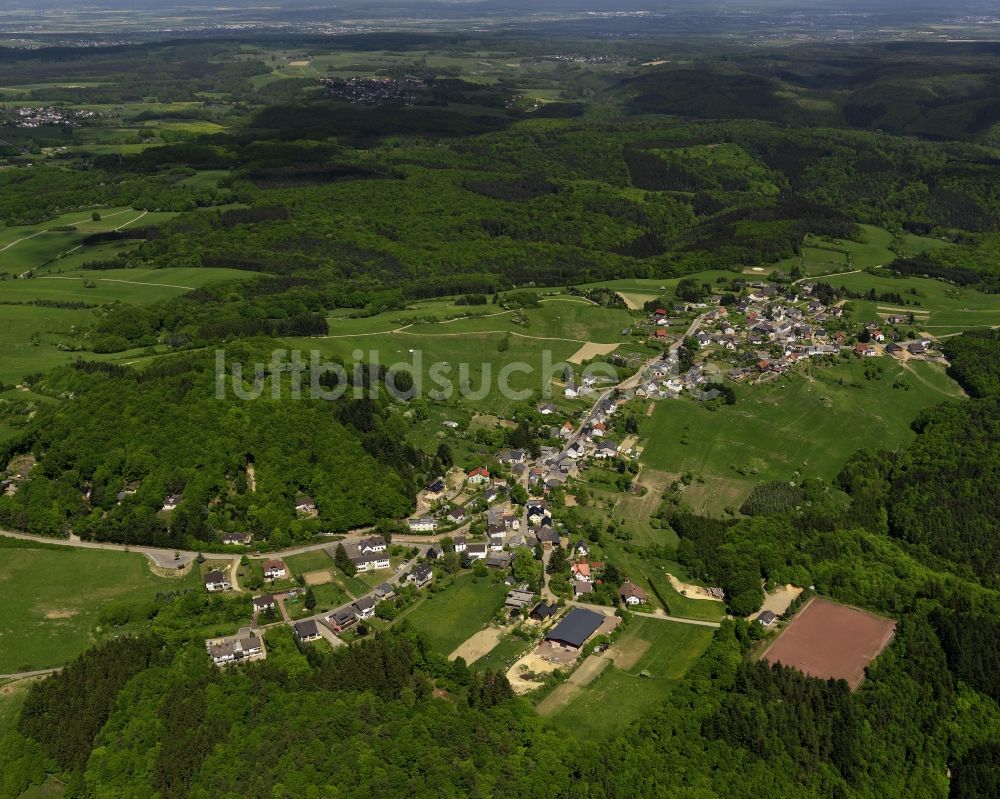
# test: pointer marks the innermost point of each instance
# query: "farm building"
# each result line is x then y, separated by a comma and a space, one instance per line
574, 630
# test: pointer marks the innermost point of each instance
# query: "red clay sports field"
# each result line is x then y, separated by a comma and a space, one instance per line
828, 640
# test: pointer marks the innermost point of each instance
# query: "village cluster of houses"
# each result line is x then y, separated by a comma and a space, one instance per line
764, 320
376, 89
36, 117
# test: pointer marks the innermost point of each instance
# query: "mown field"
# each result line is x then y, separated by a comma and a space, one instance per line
653, 655
41, 337
53, 597
450, 616
939, 308
27, 247
805, 425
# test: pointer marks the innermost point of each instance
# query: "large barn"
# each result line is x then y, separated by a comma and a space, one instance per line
574, 630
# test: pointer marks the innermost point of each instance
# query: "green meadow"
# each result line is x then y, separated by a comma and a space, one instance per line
802, 425
655, 656
53, 597
28, 247
450, 616
938, 307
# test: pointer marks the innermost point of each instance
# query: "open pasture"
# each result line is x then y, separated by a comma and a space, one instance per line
646, 661
806, 423
449, 617
939, 308
831, 641
53, 598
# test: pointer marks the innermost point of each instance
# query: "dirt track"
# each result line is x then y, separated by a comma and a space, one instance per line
575, 683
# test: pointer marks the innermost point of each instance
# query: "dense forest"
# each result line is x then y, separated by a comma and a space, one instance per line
129, 439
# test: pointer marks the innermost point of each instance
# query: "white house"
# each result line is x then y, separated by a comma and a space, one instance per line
275, 569
425, 524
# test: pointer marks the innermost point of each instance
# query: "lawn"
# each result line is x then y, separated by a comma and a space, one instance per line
660, 651
804, 424
53, 597
450, 616
314, 561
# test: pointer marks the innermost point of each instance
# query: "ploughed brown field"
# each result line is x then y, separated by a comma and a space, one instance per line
828, 640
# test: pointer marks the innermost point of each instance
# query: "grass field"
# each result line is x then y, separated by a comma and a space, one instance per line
808, 424
309, 561
452, 615
27, 247
11, 698
479, 352
822, 256
38, 338
650, 657
53, 597
939, 308
503, 655
132, 286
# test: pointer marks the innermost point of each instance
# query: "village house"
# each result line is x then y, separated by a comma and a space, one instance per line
275, 569
424, 524
510, 457
372, 543
434, 552
245, 645
421, 575
581, 571
306, 630
518, 598
459, 542
171, 502
766, 619
373, 556
538, 514
364, 608
547, 409
494, 494
305, 505
478, 476
342, 618
456, 515
237, 538
631, 594
582, 588
548, 537
582, 548
263, 602
606, 449
216, 581
543, 611
384, 591
477, 551
499, 560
